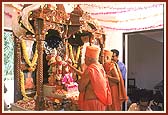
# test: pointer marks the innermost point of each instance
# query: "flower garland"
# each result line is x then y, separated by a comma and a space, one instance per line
134, 19
25, 97
72, 56
127, 10
26, 57
133, 29
119, 8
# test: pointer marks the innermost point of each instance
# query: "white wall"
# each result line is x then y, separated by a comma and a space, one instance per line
145, 61
114, 40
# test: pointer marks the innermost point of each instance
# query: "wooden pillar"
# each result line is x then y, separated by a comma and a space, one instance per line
65, 36
39, 75
102, 45
17, 63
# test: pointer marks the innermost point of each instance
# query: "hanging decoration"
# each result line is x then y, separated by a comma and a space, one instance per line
134, 19
121, 11
119, 8
26, 57
135, 29
25, 97
74, 60
8, 14
118, 21
17, 6
114, 21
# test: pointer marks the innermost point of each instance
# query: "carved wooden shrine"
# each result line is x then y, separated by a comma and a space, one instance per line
43, 18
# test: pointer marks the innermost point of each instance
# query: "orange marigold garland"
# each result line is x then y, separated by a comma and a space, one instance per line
26, 57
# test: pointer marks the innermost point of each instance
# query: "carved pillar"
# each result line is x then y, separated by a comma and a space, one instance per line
39, 75
65, 36
102, 44
17, 63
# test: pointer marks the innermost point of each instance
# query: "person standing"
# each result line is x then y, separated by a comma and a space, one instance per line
95, 93
120, 64
121, 70
115, 81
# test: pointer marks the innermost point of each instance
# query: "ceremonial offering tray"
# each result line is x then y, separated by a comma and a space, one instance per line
14, 107
23, 105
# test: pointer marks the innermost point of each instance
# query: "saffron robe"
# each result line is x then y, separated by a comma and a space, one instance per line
95, 93
114, 79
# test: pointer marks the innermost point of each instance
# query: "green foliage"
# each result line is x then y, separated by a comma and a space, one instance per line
8, 53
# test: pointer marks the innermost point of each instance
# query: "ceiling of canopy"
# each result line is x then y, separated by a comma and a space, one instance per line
117, 15
95, 8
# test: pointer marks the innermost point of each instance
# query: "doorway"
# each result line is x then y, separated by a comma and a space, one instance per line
143, 55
